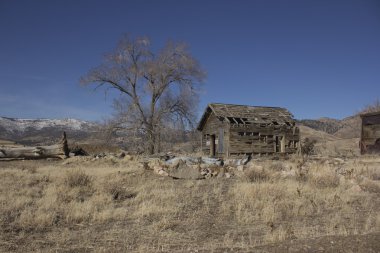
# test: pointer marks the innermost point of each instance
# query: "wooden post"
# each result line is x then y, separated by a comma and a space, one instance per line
283, 144
65, 147
60, 150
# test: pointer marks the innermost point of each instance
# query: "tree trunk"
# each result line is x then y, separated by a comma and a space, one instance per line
60, 150
152, 132
151, 144
158, 140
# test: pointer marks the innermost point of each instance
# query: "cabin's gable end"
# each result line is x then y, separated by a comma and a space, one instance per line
213, 131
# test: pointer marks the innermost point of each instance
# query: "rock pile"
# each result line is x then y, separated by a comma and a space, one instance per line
185, 167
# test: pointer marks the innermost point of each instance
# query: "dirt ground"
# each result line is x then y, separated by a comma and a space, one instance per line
115, 205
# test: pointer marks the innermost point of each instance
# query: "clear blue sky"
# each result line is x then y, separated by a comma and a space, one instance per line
317, 58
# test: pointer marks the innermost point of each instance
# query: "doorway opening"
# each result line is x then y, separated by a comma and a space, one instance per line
212, 145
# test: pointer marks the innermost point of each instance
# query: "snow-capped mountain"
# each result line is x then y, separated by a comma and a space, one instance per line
43, 130
12, 124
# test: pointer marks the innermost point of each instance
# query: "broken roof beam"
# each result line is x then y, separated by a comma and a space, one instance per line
233, 120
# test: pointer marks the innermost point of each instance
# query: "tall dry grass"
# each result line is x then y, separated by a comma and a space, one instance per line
114, 204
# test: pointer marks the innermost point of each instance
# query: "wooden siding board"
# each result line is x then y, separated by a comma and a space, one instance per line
371, 131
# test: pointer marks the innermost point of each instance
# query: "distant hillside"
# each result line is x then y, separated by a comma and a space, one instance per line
334, 137
346, 128
350, 127
43, 131
327, 125
314, 134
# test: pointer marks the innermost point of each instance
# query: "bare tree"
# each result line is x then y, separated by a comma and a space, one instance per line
156, 87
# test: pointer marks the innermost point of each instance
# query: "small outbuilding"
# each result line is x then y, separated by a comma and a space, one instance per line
370, 133
236, 130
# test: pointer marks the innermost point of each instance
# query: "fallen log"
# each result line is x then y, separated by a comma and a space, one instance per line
60, 150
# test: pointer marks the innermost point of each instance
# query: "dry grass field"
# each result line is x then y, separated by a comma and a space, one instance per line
83, 204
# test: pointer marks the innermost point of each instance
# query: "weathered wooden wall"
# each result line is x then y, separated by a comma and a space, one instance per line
370, 135
261, 139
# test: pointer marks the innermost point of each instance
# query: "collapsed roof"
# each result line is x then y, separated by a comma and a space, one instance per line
245, 114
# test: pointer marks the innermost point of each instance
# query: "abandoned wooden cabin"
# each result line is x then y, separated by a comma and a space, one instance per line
237, 130
370, 133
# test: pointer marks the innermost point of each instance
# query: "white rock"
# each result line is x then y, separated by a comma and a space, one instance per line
240, 167
163, 173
